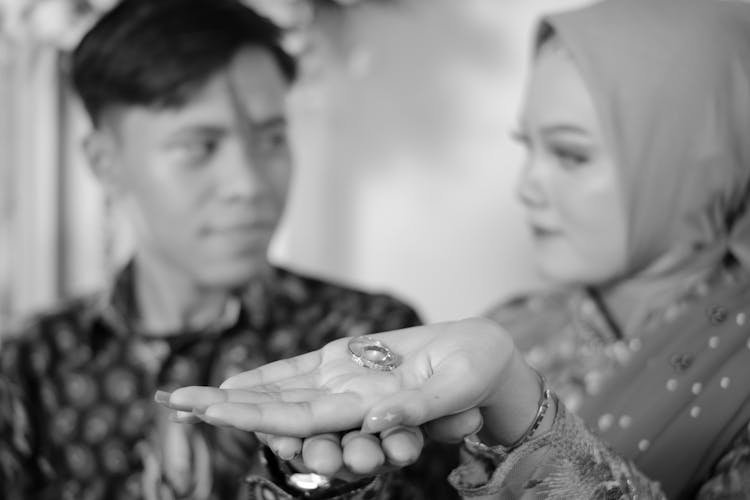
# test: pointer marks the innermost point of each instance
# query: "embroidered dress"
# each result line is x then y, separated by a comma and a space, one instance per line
583, 359
658, 404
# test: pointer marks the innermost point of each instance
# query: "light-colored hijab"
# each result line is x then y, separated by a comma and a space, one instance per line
671, 81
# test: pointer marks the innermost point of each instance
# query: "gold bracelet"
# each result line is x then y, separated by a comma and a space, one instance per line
473, 443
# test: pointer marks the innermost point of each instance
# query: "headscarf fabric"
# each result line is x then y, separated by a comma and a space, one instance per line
671, 81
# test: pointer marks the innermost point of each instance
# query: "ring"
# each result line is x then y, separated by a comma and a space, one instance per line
370, 353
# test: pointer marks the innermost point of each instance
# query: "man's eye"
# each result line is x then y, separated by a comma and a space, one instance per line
274, 140
197, 151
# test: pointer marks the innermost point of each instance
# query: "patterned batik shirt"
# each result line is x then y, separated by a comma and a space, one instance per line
77, 417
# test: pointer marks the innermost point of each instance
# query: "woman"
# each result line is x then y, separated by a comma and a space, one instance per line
637, 121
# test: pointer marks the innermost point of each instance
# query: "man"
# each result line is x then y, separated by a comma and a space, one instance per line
187, 102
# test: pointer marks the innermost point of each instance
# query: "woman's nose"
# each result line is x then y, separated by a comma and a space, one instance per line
529, 188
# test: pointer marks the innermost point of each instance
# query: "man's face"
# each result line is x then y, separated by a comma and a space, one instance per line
206, 183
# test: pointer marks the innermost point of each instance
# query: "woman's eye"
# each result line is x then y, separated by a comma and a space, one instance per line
570, 158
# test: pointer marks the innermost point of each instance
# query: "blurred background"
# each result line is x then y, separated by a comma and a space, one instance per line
405, 170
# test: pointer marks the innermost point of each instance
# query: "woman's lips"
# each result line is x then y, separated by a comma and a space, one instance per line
544, 232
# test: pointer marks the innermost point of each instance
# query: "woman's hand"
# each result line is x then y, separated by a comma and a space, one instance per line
448, 374
445, 369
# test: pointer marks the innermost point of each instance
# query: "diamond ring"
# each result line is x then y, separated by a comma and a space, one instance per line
371, 353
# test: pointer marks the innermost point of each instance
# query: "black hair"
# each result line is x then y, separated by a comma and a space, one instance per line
157, 53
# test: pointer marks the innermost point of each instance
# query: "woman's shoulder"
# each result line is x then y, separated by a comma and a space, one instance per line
532, 317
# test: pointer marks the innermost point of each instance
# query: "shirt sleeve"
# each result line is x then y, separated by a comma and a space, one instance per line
568, 461
16, 455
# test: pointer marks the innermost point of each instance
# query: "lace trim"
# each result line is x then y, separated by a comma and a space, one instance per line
565, 462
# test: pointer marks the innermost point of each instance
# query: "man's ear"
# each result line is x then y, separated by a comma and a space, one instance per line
100, 151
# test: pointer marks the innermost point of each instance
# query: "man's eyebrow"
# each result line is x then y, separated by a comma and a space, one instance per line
272, 122
198, 129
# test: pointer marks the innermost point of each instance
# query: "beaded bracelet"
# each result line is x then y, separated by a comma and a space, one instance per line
474, 444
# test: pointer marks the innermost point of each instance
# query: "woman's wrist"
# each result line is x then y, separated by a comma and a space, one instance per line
519, 408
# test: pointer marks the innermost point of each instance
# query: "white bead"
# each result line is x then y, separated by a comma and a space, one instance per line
741, 318
643, 444
672, 384
697, 387
724, 382
606, 421
671, 313
635, 345
695, 411
625, 421
713, 342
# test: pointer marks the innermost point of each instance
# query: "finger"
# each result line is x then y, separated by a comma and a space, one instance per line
275, 372
322, 454
285, 447
199, 397
329, 413
189, 398
436, 398
453, 428
263, 437
362, 453
402, 445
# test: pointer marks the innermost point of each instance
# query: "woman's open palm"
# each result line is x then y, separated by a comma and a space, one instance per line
444, 369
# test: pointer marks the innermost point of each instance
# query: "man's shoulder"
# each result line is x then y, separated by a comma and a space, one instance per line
64, 322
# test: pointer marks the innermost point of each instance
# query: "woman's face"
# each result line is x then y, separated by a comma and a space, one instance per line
569, 186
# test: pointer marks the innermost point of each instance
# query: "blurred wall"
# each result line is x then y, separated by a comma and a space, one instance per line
406, 171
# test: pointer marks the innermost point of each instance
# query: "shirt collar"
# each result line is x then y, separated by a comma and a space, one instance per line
117, 306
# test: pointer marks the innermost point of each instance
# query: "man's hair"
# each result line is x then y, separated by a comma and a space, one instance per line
157, 53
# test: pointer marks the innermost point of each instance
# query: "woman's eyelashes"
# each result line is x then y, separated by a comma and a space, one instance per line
570, 157
568, 154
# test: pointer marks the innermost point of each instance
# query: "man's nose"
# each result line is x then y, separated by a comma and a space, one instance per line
241, 174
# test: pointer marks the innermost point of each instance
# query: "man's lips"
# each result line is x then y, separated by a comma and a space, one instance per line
238, 227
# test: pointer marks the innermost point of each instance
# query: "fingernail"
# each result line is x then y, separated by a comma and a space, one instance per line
179, 416
162, 397
382, 421
398, 428
286, 457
